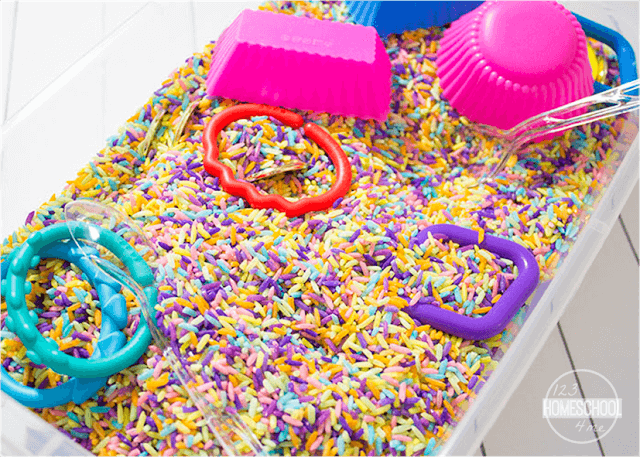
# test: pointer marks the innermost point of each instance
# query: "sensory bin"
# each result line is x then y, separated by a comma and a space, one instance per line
297, 323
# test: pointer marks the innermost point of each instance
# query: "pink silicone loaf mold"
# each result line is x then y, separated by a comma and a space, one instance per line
507, 61
302, 63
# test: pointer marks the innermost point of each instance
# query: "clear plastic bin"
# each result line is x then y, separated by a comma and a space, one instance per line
38, 158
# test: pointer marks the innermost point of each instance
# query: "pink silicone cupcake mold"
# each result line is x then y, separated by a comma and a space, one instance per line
507, 61
297, 62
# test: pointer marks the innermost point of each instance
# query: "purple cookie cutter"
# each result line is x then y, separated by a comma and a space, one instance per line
492, 323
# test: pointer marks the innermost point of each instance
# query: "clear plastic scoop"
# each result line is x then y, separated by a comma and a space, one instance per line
232, 434
617, 101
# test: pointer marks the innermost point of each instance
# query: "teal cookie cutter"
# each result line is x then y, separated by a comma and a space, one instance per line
114, 319
45, 351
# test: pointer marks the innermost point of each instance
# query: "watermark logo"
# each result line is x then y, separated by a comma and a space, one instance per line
579, 419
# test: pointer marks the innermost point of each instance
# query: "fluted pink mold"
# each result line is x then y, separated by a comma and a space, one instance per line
507, 61
302, 63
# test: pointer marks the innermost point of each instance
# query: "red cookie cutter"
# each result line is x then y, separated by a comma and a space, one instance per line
247, 191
